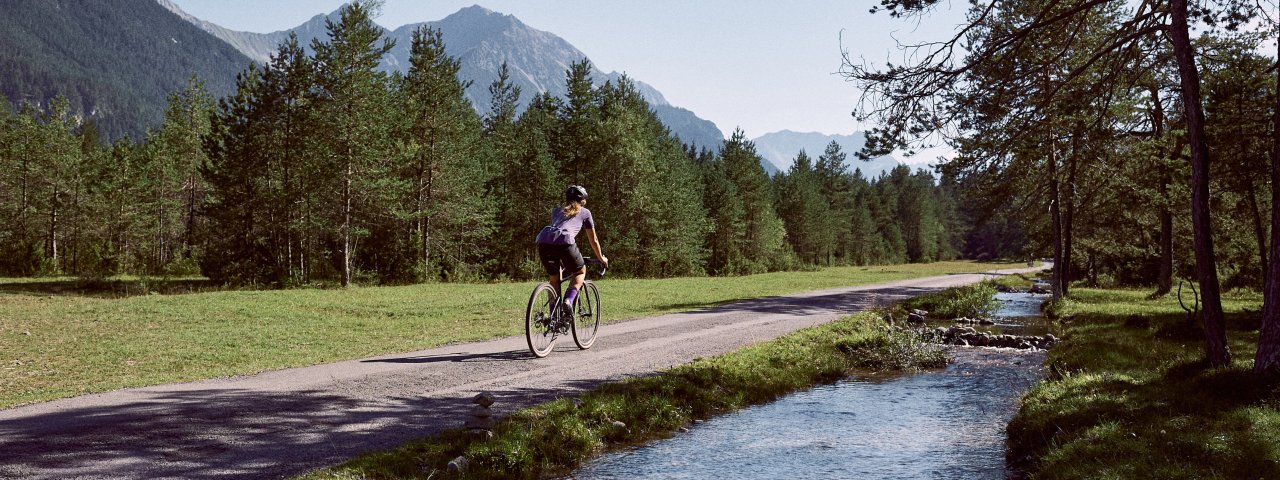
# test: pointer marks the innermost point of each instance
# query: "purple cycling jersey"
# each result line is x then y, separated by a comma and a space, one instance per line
570, 227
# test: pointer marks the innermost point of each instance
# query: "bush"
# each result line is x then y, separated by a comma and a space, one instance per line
974, 301
21, 259
897, 349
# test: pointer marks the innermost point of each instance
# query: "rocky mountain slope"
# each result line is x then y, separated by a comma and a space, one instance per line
482, 40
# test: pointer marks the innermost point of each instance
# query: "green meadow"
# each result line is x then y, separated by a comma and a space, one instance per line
1130, 396
59, 341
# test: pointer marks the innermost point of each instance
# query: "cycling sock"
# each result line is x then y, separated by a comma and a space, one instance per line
569, 295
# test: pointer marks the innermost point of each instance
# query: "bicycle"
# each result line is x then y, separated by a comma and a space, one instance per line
544, 322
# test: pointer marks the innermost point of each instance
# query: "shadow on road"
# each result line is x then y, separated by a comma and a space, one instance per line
213, 433
458, 357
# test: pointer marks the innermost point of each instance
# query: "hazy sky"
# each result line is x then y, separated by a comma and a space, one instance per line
760, 65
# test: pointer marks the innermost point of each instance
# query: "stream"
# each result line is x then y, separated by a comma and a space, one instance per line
939, 424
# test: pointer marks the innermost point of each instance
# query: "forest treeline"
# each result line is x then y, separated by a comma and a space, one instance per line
1139, 143
321, 168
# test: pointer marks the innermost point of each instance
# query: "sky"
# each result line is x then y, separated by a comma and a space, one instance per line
762, 66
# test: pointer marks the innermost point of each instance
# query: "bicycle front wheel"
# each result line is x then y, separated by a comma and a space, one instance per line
539, 328
586, 318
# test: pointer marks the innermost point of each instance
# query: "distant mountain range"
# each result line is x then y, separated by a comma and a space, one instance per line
780, 149
117, 61
482, 40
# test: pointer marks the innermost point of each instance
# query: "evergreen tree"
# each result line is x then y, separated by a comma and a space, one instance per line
351, 105
449, 214
282, 111
836, 184
764, 246
180, 153
805, 212
529, 187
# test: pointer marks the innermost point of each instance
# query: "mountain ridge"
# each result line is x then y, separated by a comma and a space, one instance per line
482, 39
780, 149
119, 77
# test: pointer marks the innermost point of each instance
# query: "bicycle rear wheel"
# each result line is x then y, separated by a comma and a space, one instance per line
586, 318
539, 327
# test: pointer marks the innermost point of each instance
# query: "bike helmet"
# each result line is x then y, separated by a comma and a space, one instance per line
575, 193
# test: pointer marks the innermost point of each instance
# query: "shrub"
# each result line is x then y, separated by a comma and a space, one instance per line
975, 301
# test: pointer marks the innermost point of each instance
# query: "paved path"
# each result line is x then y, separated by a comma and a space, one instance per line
287, 422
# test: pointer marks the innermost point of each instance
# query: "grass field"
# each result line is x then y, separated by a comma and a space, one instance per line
61, 344
1132, 398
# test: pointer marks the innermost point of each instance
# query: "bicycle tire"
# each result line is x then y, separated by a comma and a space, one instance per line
586, 318
538, 328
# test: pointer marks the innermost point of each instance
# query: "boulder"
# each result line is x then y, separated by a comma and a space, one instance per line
458, 465
914, 318
483, 399
481, 411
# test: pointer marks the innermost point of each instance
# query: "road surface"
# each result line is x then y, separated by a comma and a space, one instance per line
288, 422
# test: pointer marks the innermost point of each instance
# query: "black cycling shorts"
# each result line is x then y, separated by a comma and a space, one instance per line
553, 257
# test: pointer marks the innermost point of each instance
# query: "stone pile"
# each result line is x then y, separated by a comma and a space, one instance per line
916, 316
968, 336
481, 421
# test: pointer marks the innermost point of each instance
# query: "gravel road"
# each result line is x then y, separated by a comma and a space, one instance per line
287, 422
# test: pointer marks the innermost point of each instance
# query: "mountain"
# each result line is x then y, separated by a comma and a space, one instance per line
482, 40
780, 149
116, 61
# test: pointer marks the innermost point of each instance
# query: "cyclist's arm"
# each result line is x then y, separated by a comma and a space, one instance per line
595, 246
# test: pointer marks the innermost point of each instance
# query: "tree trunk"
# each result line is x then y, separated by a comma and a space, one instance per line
53, 226
346, 224
1164, 278
1259, 229
1216, 349
1267, 360
1055, 212
1068, 218
189, 236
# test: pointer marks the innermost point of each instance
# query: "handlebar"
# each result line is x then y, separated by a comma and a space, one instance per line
596, 263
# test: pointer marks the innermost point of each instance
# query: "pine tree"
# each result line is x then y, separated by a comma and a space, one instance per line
350, 106
450, 216
179, 149
763, 246
805, 212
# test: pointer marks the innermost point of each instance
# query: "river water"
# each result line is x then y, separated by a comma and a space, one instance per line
938, 424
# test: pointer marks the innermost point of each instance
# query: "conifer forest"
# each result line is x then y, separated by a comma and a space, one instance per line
321, 169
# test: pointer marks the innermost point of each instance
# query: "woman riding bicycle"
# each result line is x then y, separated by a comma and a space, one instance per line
558, 245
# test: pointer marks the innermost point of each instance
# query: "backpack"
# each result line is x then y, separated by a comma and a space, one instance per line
555, 234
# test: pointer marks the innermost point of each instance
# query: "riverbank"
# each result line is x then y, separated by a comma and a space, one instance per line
1129, 396
59, 345
555, 437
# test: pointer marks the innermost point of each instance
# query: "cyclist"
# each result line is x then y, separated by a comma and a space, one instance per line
558, 245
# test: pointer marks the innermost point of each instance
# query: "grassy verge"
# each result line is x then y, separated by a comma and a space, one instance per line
54, 346
553, 438
1130, 396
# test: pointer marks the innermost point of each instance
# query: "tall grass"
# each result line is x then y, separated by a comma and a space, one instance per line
973, 301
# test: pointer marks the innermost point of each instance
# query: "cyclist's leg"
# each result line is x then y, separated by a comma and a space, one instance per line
576, 268
579, 278
550, 257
